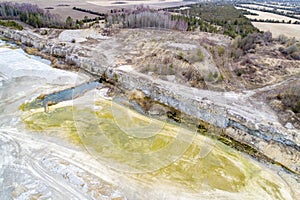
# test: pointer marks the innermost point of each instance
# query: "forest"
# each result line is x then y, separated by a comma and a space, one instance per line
144, 17
29, 14
34, 16
229, 20
209, 17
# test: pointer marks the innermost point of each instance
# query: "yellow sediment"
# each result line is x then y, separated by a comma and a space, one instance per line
204, 165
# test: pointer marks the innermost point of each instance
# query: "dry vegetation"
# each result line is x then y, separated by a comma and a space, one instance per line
285, 100
171, 55
264, 60
201, 60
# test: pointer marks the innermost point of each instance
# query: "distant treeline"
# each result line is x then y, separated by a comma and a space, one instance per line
37, 17
246, 12
275, 21
270, 11
29, 14
217, 18
208, 17
102, 15
144, 17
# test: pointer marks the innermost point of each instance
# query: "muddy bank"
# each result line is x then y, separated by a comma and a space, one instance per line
239, 115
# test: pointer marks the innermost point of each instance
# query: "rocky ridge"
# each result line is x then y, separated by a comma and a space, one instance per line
239, 115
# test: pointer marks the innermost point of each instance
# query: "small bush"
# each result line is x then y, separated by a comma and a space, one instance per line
43, 32
248, 42
116, 78
236, 42
221, 50
236, 53
247, 61
199, 56
171, 70
291, 98
180, 55
210, 76
216, 74
268, 36
283, 50
282, 39
296, 55
296, 108
221, 78
166, 60
239, 72
211, 49
292, 49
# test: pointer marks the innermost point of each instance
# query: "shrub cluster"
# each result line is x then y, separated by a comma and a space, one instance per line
292, 51
250, 41
11, 24
291, 98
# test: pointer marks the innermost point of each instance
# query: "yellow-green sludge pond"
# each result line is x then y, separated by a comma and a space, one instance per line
198, 164
92, 147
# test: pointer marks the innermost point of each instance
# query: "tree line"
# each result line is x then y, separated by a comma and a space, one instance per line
218, 18
275, 21
38, 18
144, 17
101, 15
29, 14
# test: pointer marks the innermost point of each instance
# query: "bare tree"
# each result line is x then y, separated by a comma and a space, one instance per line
144, 17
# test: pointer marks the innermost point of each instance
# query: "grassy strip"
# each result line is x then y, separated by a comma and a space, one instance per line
11, 24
